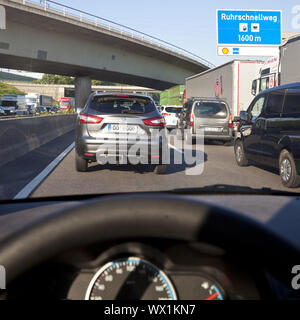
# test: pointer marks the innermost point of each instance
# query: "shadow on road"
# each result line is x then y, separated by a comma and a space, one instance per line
144, 168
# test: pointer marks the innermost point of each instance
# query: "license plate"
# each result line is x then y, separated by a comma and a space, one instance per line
122, 128
213, 129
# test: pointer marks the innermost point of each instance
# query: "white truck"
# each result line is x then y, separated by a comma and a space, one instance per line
36, 100
13, 104
231, 82
267, 77
279, 70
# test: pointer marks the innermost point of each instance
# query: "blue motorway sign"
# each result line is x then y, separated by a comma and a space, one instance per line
249, 27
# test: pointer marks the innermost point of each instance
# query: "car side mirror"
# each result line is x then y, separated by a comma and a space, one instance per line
254, 87
244, 116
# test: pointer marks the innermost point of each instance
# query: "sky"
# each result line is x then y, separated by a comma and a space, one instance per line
190, 24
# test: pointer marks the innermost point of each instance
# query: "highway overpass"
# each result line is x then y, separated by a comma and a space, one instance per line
58, 91
52, 39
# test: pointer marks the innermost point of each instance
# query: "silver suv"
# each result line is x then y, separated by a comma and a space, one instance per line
118, 129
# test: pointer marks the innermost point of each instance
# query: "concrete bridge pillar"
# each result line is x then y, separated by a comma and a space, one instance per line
83, 88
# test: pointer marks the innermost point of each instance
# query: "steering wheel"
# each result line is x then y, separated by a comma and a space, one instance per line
147, 216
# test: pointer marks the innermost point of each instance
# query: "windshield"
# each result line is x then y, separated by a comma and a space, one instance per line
210, 110
173, 109
8, 103
31, 100
121, 105
149, 150
162, 100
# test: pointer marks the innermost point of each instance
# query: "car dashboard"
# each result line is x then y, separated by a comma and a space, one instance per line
149, 269
146, 270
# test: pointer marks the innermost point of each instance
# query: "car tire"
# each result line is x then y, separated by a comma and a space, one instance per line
160, 169
80, 163
227, 143
287, 170
240, 156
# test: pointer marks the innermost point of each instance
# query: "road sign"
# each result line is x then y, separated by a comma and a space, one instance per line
248, 51
248, 28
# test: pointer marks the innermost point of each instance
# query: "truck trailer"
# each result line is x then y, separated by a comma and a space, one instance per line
230, 82
289, 66
35, 100
172, 96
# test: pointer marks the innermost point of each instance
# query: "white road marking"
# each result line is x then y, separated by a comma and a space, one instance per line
33, 184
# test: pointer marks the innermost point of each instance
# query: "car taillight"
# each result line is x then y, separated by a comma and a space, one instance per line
191, 120
87, 118
230, 121
166, 114
155, 122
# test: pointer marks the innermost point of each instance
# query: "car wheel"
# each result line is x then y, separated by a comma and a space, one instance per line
160, 169
227, 143
287, 169
80, 163
240, 156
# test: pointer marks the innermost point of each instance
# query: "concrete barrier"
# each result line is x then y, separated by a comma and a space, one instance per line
19, 136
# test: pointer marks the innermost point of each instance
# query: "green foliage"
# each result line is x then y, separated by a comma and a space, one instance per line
8, 89
55, 79
103, 83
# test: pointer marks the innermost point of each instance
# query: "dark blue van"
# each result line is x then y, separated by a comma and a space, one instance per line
269, 132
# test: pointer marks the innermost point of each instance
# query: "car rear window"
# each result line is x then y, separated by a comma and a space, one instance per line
292, 102
217, 110
173, 110
121, 105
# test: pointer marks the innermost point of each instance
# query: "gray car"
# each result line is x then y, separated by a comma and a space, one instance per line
209, 114
120, 128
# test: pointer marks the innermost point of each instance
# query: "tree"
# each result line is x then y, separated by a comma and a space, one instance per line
54, 79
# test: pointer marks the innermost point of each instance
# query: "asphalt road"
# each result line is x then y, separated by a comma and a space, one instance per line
16, 174
219, 168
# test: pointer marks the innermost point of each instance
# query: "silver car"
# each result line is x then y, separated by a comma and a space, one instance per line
210, 115
120, 128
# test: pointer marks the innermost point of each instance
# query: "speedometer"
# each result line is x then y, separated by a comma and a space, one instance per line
130, 279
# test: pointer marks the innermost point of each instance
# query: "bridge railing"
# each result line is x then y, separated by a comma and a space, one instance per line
114, 27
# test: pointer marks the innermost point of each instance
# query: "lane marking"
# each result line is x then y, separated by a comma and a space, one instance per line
33, 184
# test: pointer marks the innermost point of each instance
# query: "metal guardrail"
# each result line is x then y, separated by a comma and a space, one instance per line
49, 5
